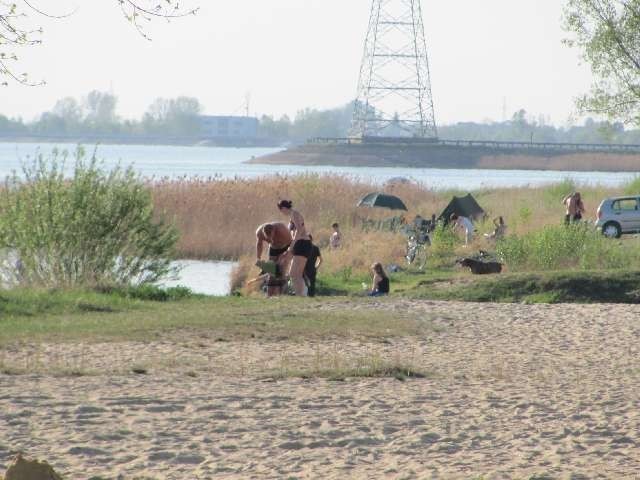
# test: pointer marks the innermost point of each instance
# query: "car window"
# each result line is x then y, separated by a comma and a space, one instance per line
625, 204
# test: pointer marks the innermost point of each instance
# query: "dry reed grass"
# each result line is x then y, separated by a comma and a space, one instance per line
218, 218
569, 162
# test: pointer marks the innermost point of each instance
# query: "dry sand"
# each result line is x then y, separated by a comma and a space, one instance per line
512, 391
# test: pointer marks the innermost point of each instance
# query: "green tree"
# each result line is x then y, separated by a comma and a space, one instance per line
278, 129
70, 112
608, 33
69, 109
177, 116
101, 110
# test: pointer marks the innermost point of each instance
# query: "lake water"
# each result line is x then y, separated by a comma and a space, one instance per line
173, 161
208, 278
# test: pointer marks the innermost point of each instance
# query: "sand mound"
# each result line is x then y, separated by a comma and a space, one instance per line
23, 469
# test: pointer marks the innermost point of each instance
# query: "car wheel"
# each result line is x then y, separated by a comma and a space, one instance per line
612, 230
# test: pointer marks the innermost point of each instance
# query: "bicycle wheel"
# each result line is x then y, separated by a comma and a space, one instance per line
411, 251
420, 260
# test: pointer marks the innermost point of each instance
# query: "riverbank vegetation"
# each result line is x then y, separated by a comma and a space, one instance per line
104, 230
92, 229
70, 315
103, 316
218, 219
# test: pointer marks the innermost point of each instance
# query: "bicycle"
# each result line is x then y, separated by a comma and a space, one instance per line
416, 253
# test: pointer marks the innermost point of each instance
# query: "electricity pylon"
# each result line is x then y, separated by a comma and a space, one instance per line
394, 90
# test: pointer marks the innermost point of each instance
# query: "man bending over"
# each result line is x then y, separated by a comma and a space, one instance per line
277, 236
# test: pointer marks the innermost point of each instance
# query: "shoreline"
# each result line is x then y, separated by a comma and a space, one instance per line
144, 142
452, 157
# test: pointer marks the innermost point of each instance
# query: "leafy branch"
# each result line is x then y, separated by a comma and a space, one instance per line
608, 33
17, 30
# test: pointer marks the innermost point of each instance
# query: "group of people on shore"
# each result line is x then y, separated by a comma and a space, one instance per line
465, 224
293, 255
292, 252
574, 207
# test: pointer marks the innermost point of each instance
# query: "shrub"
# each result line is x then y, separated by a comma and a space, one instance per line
92, 228
555, 192
557, 247
443, 243
632, 187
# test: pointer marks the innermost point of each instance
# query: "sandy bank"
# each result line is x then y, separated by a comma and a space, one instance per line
511, 391
445, 156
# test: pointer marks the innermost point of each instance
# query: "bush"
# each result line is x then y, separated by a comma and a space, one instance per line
94, 228
632, 187
148, 292
554, 193
558, 247
443, 244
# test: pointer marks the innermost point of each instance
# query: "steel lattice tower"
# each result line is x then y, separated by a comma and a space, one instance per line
394, 89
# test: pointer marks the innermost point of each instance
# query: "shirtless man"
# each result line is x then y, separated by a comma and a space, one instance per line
277, 236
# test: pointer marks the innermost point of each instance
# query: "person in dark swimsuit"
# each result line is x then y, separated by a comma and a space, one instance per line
380, 283
301, 247
277, 236
311, 269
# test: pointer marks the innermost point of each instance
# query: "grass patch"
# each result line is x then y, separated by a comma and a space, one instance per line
632, 187
37, 302
364, 367
359, 285
57, 316
543, 287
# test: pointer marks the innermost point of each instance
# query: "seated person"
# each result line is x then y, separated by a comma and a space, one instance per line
499, 231
380, 282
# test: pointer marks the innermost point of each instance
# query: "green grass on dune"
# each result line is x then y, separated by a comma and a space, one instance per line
565, 286
93, 316
543, 287
132, 314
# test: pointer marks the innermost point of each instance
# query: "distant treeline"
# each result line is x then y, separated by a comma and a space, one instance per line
521, 128
95, 115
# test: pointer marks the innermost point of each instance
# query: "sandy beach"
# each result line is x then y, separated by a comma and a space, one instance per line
510, 391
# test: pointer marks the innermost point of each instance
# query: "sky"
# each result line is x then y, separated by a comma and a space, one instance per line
293, 54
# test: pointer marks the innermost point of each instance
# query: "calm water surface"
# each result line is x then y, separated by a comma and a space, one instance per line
171, 161
208, 278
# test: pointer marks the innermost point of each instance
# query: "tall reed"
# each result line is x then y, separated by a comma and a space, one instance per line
218, 218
